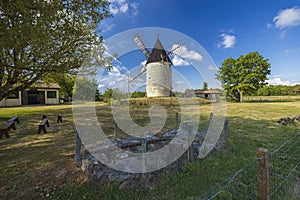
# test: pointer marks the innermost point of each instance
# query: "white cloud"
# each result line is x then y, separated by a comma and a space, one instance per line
278, 75
177, 61
123, 7
287, 18
228, 41
112, 79
290, 51
269, 25
144, 63
186, 53
134, 7
212, 68
107, 27
278, 81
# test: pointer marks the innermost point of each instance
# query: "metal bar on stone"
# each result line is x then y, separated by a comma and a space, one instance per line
144, 146
127, 145
78, 147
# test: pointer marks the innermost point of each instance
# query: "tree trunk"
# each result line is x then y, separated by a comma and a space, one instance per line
239, 96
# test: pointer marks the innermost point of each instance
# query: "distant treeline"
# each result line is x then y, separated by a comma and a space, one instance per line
278, 90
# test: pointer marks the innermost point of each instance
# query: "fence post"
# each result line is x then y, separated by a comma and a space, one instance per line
210, 117
263, 174
188, 127
226, 129
176, 121
116, 130
77, 147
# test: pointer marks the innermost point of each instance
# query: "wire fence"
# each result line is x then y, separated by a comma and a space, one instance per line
282, 177
284, 169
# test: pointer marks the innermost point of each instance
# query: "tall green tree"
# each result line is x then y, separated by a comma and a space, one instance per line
244, 75
205, 86
39, 37
66, 82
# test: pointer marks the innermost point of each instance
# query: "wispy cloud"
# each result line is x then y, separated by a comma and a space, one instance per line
291, 51
177, 61
123, 6
228, 41
277, 80
112, 79
287, 18
134, 7
185, 53
212, 68
106, 27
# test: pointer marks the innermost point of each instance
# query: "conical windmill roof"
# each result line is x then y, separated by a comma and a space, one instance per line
158, 53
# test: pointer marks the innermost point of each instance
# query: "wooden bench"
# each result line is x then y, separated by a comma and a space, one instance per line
4, 129
42, 126
15, 119
59, 117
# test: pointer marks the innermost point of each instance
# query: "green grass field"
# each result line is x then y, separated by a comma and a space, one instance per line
35, 166
271, 98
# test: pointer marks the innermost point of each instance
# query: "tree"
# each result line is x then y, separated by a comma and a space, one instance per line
66, 82
138, 94
244, 75
85, 89
205, 86
39, 37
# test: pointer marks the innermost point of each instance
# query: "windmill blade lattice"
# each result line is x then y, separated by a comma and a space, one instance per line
176, 49
137, 76
141, 43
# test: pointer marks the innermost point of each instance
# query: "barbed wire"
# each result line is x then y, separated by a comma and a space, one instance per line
284, 166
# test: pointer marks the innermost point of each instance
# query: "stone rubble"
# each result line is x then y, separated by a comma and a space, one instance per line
100, 173
288, 120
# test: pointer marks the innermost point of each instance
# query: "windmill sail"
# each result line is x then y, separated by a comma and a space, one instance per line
141, 45
135, 75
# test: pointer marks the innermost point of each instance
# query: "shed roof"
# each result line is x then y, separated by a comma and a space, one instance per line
207, 92
158, 53
46, 86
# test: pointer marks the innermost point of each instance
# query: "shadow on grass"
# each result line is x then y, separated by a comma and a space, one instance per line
28, 160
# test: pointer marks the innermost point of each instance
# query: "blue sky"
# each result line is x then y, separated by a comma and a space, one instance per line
223, 28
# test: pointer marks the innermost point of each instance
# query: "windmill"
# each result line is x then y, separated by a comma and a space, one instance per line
158, 69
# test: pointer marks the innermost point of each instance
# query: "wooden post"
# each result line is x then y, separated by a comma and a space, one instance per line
116, 130
190, 127
263, 174
77, 147
150, 124
210, 117
176, 121
226, 129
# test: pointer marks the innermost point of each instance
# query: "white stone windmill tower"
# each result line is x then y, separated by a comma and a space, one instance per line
158, 69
